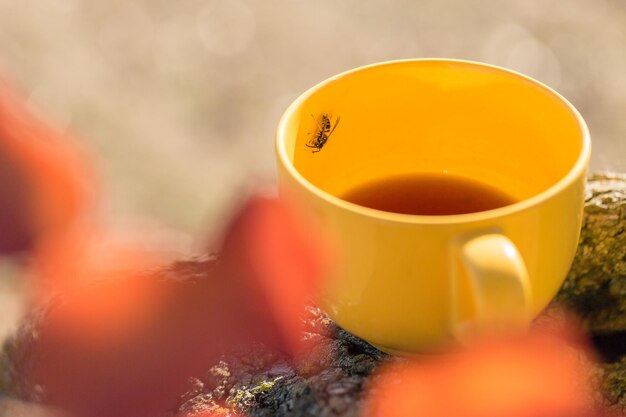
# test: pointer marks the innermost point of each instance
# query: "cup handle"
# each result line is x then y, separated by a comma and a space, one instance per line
491, 271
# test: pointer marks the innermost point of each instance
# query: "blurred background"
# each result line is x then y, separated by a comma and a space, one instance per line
178, 100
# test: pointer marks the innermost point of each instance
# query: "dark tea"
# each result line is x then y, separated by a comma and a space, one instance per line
429, 194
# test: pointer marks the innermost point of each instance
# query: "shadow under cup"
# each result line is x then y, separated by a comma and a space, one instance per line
432, 116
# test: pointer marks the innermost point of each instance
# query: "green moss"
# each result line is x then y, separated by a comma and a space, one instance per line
267, 385
245, 396
595, 287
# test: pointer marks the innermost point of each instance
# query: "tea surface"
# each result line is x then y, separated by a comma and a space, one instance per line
429, 194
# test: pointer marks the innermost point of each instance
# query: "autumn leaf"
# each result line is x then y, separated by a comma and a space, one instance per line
535, 376
127, 346
47, 189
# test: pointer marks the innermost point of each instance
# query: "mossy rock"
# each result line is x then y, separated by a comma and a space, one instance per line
595, 288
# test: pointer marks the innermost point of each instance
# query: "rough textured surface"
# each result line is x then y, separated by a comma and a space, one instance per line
596, 286
332, 377
329, 382
614, 383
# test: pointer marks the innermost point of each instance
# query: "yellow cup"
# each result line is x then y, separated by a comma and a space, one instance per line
409, 283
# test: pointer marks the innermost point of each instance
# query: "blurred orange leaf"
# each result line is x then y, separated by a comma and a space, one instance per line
537, 376
126, 347
47, 187
276, 259
57, 174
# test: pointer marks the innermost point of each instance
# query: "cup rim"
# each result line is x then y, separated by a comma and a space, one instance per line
579, 167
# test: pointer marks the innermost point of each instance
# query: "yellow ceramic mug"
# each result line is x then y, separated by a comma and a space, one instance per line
408, 283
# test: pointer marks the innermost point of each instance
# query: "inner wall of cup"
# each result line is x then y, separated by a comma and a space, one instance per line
434, 116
